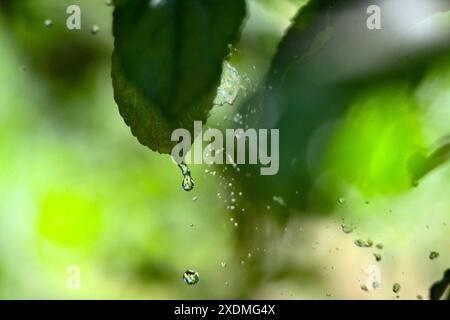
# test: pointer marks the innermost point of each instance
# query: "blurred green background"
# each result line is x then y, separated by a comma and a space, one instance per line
77, 189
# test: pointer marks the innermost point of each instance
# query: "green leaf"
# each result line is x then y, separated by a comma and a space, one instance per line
167, 62
421, 165
438, 289
327, 60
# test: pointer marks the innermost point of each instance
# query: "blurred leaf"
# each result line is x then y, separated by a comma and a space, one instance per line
70, 219
421, 165
438, 289
327, 59
167, 62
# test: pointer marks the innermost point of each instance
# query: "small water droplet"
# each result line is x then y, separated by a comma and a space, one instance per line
223, 264
377, 256
363, 243
95, 29
376, 284
364, 288
194, 199
396, 287
341, 200
279, 200
108, 2
191, 277
347, 228
434, 255
415, 183
379, 246
48, 23
188, 183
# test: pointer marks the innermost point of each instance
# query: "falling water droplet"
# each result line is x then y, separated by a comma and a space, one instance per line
48, 23
191, 277
188, 182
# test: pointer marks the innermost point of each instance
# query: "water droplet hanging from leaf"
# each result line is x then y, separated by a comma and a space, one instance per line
188, 183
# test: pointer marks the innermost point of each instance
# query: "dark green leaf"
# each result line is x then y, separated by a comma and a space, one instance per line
167, 62
438, 289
